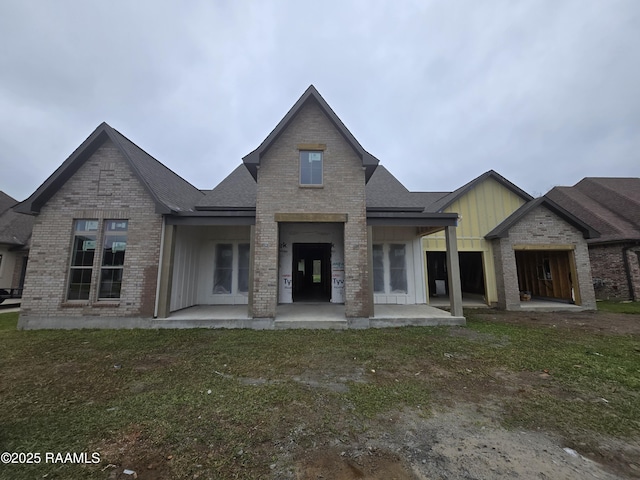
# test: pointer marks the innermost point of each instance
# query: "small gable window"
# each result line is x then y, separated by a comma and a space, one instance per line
310, 167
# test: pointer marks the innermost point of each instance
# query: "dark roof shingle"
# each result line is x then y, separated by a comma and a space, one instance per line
15, 228
170, 192
610, 205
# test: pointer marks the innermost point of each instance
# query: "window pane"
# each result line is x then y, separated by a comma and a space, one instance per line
117, 226
397, 268
86, 225
224, 268
310, 168
243, 267
110, 283
79, 284
378, 269
84, 247
113, 250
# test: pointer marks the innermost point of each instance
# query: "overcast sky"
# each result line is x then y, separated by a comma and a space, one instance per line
545, 92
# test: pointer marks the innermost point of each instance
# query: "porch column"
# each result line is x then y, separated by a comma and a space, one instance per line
252, 260
370, 269
453, 272
166, 275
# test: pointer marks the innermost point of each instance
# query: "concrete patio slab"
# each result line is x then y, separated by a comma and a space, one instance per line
307, 316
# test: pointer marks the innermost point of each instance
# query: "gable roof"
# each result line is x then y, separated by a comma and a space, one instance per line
385, 192
15, 228
611, 205
502, 230
252, 160
445, 201
236, 192
170, 192
6, 202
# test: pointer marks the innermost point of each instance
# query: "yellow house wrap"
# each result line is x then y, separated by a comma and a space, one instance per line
482, 204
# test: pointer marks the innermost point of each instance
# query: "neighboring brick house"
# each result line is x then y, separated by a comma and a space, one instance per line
611, 206
15, 235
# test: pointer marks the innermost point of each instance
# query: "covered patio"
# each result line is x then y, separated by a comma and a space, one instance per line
307, 316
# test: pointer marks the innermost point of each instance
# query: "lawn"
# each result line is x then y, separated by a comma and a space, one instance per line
619, 307
228, 403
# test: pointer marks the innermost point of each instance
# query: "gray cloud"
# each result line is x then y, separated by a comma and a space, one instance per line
544, 92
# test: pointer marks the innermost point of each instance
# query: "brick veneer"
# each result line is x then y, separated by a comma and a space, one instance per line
611, 274
540, 227
343, 192
103, 188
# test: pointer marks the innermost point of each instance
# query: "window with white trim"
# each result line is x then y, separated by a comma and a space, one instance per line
311, 167
390, 268
231, 268
378, 269
397, 268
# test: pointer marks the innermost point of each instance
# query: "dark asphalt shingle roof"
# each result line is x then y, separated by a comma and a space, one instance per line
236, 191
170, 192
383, 191
6, 202
15, 228
502, 230
610, 205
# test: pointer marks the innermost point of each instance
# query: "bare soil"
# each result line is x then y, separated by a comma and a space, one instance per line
592, 322
464, 439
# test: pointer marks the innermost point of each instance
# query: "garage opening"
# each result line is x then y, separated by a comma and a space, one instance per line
471, 275
545, 274
311, 272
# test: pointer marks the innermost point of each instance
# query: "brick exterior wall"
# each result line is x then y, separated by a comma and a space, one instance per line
540, 227
612, 275
343, 192
103, 188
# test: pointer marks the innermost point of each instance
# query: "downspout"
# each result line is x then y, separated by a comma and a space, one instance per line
157, 302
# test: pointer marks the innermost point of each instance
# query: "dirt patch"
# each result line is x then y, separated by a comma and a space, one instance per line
133, 452
336, 464
464, 442
598, 322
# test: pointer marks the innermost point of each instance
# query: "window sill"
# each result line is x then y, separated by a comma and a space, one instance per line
301, 185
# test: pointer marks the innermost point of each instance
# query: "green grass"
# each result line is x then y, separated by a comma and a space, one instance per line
619, 307
199, 397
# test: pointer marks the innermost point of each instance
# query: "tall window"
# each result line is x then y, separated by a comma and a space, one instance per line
378, 269
113, 250
83, 251
231, 268
310, 167
397, 268
223, 273
243, 267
